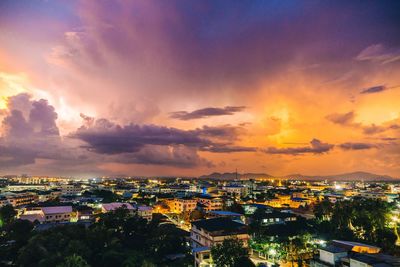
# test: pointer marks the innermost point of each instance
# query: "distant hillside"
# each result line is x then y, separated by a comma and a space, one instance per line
353, 176
232, 176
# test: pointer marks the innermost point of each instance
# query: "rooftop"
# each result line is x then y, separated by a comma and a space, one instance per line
221, 226
116, 205
225, 213
334, 249
56, 209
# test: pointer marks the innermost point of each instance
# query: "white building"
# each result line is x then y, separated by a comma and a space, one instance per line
55, 214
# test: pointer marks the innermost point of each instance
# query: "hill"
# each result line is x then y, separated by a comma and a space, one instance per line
352, 176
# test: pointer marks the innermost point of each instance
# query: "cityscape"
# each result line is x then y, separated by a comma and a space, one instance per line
199, 133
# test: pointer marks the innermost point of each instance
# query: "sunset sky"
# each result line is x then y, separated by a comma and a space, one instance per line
193, 87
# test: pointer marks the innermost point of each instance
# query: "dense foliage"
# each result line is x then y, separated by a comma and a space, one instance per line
365, 220
117, 239
231, 253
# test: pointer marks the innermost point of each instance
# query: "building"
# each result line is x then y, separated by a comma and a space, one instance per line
235, 190
20, 199
287, 201
210, 203
71, 189
226, 214
373, 195
145, 212
48, 195
180, 205
24, 187
373, 260
207, 233
351, 254
278, 217
107, 207
57, 214
329, 256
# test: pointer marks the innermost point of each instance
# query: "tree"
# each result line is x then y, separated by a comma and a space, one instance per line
244, 262
196, 215
323, 210
229, 253
236, 207
74, 261
166, 239
7, 214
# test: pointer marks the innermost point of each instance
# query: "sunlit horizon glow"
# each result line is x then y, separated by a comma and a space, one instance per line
190, 88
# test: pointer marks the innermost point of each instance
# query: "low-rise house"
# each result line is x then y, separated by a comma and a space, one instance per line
207, 233
107, 207
145, 212
329, 256
55, 214
278, 217
84, 213
226, 214
353, 254
373, 260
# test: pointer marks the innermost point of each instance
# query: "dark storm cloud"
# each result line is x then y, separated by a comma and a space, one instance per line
357, 146
374, 89
43, 118
206, 112
315, 147
15, 125
108, 138
29, 132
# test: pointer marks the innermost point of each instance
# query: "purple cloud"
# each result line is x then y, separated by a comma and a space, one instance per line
228, 148
357, 146
316, 147
379, 53
206, 112
374, 89
106, 137
342, 118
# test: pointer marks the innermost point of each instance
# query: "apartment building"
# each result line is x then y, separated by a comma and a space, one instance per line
19, 199
71, 189
180, 205
210, 203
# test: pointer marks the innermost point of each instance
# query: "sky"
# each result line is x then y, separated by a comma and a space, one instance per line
103, 88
